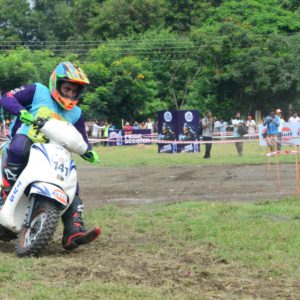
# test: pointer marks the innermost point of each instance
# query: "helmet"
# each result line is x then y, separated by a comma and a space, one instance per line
186, 128
69, 72
165, 128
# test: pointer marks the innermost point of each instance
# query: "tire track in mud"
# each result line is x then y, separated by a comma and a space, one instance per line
139, 185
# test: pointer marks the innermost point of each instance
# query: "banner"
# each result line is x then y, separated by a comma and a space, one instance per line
167, 131
178, 125
120, 137
188, 123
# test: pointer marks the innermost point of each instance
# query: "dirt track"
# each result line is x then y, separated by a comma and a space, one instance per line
139, 185
118, 256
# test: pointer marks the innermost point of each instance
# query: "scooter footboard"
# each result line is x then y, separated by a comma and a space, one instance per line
50, 191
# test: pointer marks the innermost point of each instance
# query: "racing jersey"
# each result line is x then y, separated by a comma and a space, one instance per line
36, 98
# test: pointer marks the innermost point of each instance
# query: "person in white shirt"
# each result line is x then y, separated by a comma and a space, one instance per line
223, 126
220, 126
96, 130
217, 126
150, 125
294, 118
251, 127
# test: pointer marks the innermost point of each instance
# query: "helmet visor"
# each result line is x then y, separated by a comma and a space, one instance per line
70, 90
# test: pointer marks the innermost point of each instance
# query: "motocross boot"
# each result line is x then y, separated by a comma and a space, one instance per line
10, 174
75, 234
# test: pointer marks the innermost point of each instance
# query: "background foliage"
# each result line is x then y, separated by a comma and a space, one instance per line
144, 56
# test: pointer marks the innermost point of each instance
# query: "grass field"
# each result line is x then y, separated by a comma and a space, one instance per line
189, 250
181, 251
143, 155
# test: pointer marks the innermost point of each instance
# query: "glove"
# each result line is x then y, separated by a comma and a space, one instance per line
26, 117
91, 156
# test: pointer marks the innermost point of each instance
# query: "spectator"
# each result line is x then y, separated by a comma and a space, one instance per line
143, 125
236, 123
111, 126
106, 127
87, 128
150, 125
294, 118
208, 127
272, 122
6, 128
251, 125
220, 126
96, 129
127, 127
136, 125
223, 125
278, 113
217, 125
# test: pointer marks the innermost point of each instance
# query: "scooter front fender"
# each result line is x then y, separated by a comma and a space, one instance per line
50, 191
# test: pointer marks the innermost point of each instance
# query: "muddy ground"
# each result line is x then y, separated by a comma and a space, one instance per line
140, 185
213, 279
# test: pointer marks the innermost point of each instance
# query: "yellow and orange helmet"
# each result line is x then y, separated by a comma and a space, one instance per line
66, 71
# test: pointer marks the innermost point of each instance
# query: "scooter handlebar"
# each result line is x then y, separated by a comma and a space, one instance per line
39, 122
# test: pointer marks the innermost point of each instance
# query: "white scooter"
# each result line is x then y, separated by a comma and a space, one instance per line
45, 188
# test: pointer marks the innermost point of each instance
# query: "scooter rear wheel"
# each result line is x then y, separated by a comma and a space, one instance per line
32, 240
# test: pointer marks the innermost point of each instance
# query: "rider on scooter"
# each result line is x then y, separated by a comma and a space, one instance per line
58, 101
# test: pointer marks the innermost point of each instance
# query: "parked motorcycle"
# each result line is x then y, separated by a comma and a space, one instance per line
44, 190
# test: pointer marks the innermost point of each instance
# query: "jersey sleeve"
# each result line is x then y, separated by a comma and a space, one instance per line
18, 99
80, 126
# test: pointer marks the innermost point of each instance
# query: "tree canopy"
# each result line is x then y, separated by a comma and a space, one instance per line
148, 55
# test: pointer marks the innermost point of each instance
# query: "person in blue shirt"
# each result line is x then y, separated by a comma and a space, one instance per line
58, 101
272, 122
136, 125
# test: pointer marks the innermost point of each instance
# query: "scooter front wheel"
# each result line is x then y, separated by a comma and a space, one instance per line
32, 240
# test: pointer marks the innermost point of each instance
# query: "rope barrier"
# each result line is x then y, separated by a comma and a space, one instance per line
158, 141
281, 152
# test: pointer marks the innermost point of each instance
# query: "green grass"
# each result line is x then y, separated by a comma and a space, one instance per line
159, 251
261, 235
147, 155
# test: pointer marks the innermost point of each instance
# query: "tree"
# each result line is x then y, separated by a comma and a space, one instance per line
247, 63
125, 87
17, 24
172, 60
181, 15
215, 54
117, 18
22, 66
82, 14
290, 4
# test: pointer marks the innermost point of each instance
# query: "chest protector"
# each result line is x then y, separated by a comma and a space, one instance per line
44, 106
